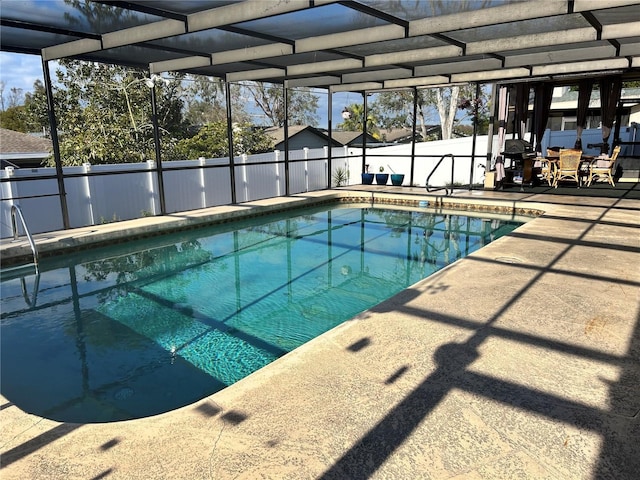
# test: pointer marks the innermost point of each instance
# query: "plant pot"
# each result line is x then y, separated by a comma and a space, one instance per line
367, 178
397, 179
381, 178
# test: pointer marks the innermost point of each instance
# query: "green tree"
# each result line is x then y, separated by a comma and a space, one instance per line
29, 116
269, 98
396, 108
37, 115
447, 105
13, 115
212, 141
476, 110
356, 119
14, 118
205, 101
104, 114
14, 98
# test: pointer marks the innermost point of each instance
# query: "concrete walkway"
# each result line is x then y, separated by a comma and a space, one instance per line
520, 361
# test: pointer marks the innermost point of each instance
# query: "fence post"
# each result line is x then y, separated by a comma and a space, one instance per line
277, 161
153, 195
6, 219
347, 161
327, 162
203, 185
89, 197
245, 184
306, 168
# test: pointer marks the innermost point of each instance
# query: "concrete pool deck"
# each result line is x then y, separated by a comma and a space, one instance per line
521, 360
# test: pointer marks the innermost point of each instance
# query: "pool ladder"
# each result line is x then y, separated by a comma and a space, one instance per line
446, 190
15, 213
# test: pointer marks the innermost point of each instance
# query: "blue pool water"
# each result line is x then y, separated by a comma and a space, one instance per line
143, 328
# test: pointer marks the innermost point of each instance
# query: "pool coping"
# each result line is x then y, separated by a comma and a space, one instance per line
520, 360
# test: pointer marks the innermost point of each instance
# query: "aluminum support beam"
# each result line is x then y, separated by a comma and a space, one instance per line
243, 12
258, 74
53, 125
487, 16
158, 150
143, 33
353, 37
546, 39
69, 49
179, 64
285, 100
232, 163
252, 53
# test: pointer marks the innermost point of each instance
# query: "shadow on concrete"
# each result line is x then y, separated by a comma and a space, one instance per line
36, 443
618, 457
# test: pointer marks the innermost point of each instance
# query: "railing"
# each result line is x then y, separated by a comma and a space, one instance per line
17, 212
31, 300
446, 190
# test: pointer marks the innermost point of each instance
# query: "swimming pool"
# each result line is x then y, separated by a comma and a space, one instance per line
142, 328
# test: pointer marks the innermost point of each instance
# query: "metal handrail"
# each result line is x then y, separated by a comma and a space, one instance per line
17, 212
31, 300
453, 161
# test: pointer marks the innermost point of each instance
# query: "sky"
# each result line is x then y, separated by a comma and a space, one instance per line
19, 71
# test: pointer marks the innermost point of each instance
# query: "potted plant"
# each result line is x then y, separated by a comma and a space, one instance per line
340, 177
367, 178
381, 178
397, 179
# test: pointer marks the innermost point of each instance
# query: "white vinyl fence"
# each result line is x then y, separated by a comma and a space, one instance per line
105, 193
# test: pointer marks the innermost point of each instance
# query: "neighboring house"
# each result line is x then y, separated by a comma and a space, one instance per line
353, 139
562, 115
21, 150
403, 135
301, 136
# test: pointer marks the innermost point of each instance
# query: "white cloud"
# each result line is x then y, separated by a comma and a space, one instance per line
19, 71
22, 70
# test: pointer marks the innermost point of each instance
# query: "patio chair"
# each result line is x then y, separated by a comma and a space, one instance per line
603, 167
553, 151
568, 166
547, 169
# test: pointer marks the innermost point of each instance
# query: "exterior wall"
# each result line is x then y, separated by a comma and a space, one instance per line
303, 139
634, 116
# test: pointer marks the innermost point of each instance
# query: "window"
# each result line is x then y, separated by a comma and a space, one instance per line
569, 123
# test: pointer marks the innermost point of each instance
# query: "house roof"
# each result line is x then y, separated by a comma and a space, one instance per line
392, 135
12, 142
348, 137
277, 133
354, 45
339, 137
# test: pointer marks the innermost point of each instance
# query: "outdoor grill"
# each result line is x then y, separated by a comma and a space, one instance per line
521, 156
517, 150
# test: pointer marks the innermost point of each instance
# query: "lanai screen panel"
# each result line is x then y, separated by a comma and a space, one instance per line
328, 42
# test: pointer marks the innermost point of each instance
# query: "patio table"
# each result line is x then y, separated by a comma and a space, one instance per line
585, 162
